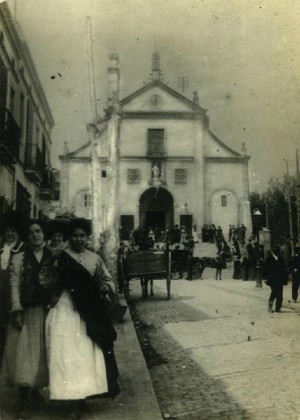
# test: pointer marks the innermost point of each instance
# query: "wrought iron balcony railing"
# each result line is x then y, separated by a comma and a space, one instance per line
47, 185
9, 138
34, 163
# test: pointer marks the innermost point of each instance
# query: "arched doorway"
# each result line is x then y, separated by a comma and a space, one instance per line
157, 208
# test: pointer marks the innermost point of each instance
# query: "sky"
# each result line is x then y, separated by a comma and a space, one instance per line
242, 56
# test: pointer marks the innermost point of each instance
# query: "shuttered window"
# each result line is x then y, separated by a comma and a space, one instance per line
156, 142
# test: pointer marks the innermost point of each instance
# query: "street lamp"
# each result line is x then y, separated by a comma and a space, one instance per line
257, 218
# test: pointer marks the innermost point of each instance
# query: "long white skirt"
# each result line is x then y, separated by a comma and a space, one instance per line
76, 364
24, 360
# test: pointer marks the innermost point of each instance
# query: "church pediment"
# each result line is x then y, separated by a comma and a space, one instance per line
158, 97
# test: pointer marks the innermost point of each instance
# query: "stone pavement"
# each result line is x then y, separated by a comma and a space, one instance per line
136, 401
220, 354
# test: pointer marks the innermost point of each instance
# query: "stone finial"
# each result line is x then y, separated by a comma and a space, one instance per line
196, 97
113, 75
156, 72
244, 148
66, 148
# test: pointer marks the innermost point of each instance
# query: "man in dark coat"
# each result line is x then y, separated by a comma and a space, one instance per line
276, 274
294, 269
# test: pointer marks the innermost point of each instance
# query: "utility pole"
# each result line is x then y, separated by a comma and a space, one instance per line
267, 215
111, 242
298, 195
289, 205
94, 140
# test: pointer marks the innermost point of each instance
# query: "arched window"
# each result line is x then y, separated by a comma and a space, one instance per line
87, 200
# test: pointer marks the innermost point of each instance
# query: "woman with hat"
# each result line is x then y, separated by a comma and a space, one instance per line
24, 360
80, 333
11, 245
57, 233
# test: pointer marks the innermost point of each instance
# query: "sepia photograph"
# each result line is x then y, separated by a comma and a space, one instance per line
149, 209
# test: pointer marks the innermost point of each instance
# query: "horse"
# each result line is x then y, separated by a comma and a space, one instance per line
213, 262
144, 285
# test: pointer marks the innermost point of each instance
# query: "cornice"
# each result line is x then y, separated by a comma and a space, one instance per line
168, 158
163, 115
229, 159
83, 159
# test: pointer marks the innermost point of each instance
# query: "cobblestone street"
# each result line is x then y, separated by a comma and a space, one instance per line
214, 352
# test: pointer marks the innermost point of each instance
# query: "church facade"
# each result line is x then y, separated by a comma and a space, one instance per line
173, 169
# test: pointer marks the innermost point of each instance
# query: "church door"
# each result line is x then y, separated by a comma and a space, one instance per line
156, 208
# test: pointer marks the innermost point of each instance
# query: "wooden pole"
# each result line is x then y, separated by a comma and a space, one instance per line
289, 205
94, 140
111, 238
298, 195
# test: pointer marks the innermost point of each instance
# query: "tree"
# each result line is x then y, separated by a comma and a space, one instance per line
273, 204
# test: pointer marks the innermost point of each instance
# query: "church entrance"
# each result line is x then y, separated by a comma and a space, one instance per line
156, 219
156, 208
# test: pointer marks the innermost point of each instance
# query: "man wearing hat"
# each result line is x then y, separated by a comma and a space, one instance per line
294, 269
11, 244
276, 274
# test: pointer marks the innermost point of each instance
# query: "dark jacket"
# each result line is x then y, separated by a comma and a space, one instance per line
275, 271
294, 267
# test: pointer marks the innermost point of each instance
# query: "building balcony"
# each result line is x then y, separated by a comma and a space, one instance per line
156, 154
9, 138
47, 188
34, 163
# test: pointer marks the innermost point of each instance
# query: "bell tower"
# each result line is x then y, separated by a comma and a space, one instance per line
156, 73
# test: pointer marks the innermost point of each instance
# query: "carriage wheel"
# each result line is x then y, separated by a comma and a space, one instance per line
168, 287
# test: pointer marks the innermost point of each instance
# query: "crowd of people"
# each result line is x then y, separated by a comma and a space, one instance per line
56, 328
146, 237
56, 325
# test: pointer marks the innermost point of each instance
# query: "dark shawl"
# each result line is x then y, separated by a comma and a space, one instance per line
32, 293
86, 297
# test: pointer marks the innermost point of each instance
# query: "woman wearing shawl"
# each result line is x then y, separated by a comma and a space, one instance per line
79, 330
24, 360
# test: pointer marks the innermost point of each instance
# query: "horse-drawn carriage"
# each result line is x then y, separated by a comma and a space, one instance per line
149, 265
146, 266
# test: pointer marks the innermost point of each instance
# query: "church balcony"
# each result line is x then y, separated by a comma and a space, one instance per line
9, 138
34, 163
156, 154
47, 185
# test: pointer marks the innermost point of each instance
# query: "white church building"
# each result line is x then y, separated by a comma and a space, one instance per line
173, 169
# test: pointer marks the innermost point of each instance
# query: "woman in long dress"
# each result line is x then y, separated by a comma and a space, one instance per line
10, 246
79, 331
25, 359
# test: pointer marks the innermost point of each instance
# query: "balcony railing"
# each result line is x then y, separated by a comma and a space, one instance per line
47, 185
34, 163
156, 153
9, 138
